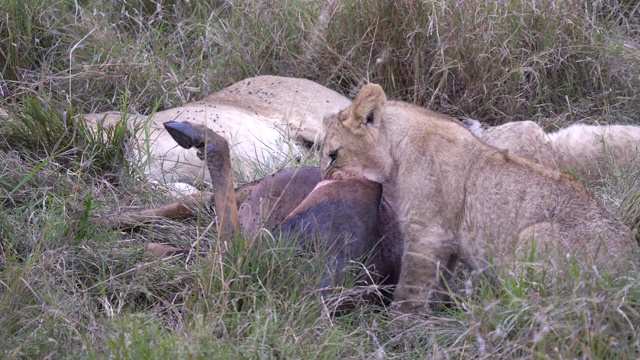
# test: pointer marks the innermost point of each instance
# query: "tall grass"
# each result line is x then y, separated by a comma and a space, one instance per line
71, 288
494, 60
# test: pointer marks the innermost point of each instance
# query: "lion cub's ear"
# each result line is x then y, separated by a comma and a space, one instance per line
364, 108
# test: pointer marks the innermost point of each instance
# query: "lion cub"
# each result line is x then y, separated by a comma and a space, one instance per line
462, 200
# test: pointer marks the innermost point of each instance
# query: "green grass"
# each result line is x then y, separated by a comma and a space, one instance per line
71, 288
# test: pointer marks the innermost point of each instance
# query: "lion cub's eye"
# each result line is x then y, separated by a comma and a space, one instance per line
333, 156
370, 118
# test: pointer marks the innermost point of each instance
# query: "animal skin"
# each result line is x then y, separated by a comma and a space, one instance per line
275, 197
460, 199
589, 151
263, 117
347, 219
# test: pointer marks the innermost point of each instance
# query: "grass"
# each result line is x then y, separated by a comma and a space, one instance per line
497, 61
71, 288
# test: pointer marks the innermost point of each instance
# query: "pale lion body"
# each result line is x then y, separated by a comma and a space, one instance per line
460, 199
263, 118
591, 151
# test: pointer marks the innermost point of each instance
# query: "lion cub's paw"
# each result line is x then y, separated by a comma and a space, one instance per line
409, 307
409, 299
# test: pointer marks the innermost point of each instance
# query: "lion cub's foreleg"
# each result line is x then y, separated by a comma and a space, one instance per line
429, 258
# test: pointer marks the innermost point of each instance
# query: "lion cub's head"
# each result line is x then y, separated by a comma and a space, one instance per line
356, 142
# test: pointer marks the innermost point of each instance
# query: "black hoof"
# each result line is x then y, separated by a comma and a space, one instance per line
184, 134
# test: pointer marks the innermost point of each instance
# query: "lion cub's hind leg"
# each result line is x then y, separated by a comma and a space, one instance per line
539, 237
564, 242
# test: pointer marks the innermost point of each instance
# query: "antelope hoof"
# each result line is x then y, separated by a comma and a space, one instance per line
184, 134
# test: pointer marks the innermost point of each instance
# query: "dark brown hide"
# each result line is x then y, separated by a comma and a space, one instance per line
387, 253
348, 222
275, 197
339, 220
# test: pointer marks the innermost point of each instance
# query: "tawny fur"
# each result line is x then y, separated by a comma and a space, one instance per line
591, 152
460, 199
